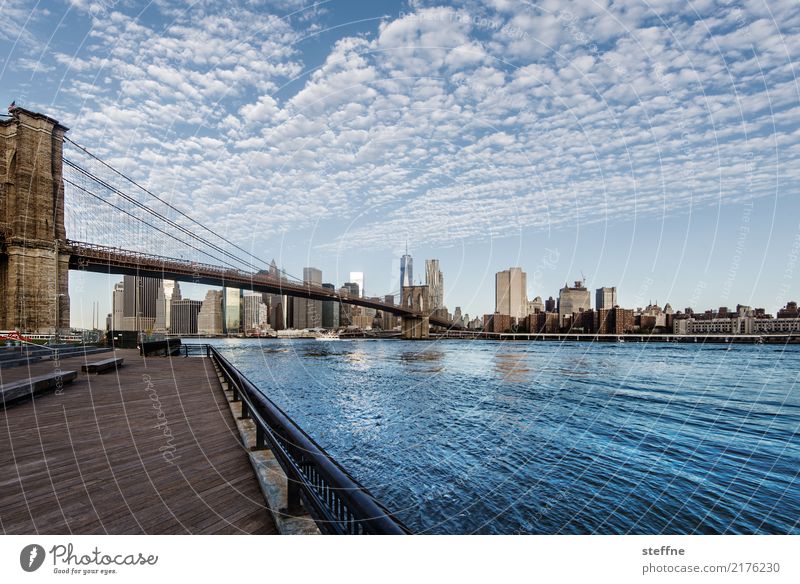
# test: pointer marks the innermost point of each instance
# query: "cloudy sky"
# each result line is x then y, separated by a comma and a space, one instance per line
649, 145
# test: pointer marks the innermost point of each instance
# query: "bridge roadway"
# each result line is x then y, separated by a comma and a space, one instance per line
90, 257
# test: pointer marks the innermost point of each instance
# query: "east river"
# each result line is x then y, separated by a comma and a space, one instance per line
547, 437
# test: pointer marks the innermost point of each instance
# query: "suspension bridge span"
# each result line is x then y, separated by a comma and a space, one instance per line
120, 224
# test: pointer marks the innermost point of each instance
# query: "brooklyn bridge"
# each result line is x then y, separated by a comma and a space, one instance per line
48, 182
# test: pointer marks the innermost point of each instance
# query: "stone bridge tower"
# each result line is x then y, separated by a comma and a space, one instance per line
415, 298
34, 292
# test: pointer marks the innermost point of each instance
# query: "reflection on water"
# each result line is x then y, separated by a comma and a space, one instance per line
319, 350
425, 361
512, 367
358, 359
412, 356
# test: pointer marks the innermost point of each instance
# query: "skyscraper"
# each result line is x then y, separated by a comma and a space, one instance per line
358, 278
572, 300
252, 311
406, 270
139, 302
209, 320
184, 316
308, 313
330, 310
117, 306
167, 292
351, 289
232, 310
510, 293
605, 298
172, 291
435, 282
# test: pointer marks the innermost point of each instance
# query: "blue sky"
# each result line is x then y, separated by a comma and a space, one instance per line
648, 145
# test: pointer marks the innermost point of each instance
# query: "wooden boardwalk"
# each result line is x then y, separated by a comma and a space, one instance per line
151, 449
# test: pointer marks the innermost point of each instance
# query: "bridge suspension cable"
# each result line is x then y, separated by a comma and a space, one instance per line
106, 185
154, 213
118, 208
167, 203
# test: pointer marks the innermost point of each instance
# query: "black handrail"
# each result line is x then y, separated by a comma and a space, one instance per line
336, 501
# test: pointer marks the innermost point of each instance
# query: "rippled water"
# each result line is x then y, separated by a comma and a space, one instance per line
488, 437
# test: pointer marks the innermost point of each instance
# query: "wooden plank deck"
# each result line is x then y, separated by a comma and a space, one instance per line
95, 459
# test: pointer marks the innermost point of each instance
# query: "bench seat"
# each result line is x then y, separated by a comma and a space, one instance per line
15, 390
102, 366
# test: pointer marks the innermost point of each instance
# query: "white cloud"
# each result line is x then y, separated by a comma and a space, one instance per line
451, 123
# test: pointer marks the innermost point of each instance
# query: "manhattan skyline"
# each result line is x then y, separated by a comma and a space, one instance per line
653, 148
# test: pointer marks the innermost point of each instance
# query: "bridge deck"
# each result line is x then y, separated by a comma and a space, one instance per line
88, 461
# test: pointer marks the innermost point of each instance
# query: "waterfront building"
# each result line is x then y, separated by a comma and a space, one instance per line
584, 321
745, 321
510, 293
623, 320
299, 313
117, 306
389, 319
160, 325
232, 310
313, 277
572, 300
308, 313
358, 278
167, 292
434, 280
139, 303
253, 311
351, 289
535, 305
542, 322
330, 310
457, 318
277, 313
605, 298
184, 316
614, 321
363, 322
210, 317
347, 311
789, 311
276, 303
498, 323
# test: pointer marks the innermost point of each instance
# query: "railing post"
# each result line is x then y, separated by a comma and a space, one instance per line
261, 438
245, 411
294, 505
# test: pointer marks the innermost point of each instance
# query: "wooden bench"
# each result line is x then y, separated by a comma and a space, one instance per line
102, 366
16, 390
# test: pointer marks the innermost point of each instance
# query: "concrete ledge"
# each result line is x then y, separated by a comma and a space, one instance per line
103, 366
8, 363
269, 473
17, 390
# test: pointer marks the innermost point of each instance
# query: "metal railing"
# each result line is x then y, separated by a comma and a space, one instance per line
317, 484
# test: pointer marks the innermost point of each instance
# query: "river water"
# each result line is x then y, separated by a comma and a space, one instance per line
546, 437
